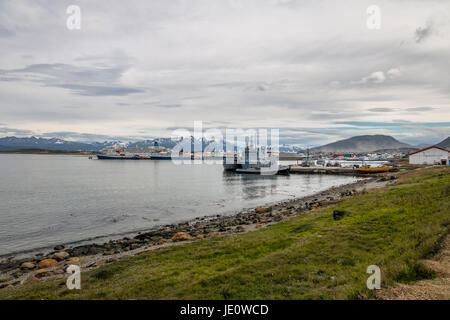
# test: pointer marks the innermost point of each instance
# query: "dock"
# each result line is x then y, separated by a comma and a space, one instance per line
322, 170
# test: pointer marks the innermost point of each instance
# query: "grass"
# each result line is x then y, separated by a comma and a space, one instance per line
307, 257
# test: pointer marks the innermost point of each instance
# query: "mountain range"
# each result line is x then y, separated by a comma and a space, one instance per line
14, 143
365, 143
55, 144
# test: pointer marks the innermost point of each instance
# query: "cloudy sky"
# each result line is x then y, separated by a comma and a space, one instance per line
141, 69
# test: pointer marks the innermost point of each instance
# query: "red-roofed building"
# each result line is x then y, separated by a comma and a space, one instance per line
431, 155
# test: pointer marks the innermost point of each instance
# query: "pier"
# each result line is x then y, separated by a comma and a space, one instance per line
322, 170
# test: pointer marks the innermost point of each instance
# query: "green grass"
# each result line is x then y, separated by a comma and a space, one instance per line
308, 257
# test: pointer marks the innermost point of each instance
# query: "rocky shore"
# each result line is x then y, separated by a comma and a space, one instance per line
14, 272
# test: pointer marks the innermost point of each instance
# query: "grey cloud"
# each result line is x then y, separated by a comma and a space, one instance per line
169, 106
99, 90
87, 81
14, 131
4, 32
382, 109
423, 33
418, 109
163, 105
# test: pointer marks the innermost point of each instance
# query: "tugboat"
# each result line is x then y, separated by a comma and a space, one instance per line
258, 168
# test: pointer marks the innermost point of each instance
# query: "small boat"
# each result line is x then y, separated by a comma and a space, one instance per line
320, 162
367, 169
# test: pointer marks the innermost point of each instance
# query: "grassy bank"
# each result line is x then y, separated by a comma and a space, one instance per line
307, 257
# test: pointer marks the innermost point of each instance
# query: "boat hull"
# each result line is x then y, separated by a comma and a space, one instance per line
282, 170
168, 158
373, 170
104, 157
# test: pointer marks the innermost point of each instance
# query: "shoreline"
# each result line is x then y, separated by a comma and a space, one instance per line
22, 254
16, 272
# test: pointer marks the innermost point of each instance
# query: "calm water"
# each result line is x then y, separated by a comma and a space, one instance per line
47, 199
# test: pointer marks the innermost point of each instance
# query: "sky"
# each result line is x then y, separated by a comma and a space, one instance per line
141, 69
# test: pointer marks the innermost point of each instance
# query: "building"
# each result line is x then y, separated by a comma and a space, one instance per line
431, 155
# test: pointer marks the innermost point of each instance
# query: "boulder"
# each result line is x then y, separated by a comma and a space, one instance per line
47, 263
42, 273
28, 265
59, 247
261, 210
339, 214
181, 236
59, 256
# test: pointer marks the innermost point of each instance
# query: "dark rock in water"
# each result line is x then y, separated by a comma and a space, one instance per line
58, 247
339, 214
95, 250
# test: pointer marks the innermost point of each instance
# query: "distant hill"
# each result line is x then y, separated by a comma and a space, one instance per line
14, 143
54, 144
366, 143
445, 143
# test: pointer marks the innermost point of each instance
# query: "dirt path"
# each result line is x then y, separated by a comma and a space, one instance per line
438, 288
